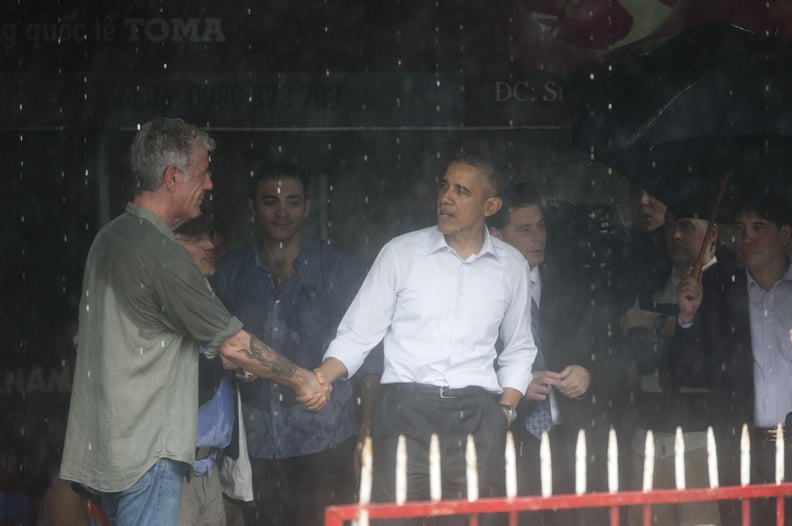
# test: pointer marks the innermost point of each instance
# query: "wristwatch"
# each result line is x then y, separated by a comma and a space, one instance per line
509, 411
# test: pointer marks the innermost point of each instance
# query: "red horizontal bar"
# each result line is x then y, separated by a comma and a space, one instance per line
335, 514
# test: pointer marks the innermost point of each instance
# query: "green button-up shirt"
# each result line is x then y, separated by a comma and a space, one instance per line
145, 309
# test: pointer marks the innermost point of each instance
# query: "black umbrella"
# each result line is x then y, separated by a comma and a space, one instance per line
713, 79
675, 113
688, 175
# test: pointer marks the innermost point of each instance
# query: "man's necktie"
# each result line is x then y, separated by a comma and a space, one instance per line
539, 419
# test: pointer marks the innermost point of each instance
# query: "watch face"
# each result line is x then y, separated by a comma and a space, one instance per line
511, 412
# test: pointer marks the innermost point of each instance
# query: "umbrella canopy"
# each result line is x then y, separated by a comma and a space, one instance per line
687, 175
675, 113
714, 79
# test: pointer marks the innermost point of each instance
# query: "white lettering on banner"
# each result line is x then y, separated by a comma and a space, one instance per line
526, 91
175, 29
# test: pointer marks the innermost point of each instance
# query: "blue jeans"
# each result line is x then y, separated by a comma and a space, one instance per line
154, 498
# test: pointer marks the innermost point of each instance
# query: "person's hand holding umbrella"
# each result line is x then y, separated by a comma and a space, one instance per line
689, 295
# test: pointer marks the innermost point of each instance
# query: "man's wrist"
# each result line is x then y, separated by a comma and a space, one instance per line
685, 321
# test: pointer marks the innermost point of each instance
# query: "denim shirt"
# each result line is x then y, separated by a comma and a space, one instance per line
298, 322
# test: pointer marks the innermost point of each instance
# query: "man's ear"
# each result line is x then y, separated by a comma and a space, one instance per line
786, 235
169, 177
307, 208
712, 233
492, 206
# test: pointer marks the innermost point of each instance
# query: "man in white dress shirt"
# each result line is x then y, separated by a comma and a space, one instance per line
441, 298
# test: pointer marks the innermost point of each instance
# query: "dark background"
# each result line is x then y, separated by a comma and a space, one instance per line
369, 98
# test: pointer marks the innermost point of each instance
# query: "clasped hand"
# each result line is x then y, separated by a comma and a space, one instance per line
572, 382
314, 392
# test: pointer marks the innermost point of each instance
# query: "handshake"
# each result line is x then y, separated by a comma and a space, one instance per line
253, 358
317, 386
257, 359
311, 388
315, 390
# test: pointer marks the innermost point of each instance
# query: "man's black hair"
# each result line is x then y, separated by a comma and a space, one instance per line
201, 226
276, 170
516, 195
771, 207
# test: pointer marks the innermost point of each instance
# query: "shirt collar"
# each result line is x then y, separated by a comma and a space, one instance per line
303, 255
536, 276
437, 242
751, 282
676, 278
152, 218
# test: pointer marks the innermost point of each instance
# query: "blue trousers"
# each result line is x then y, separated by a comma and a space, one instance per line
155, 498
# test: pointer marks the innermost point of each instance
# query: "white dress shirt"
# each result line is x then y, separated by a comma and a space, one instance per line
441, 316
771, 342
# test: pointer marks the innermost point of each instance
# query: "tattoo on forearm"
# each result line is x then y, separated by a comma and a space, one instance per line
279, 365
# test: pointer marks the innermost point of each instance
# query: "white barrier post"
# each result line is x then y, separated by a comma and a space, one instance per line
649, 458
511, 467
580, 463
613, 462
365, 481
712, 458
401, 470
745, 456
779, 456
471, 467
679, 458
435, 484
546, 466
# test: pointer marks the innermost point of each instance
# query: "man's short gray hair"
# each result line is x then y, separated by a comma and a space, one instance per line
163, 142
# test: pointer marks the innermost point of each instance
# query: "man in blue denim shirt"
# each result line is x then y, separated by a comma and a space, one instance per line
293, 291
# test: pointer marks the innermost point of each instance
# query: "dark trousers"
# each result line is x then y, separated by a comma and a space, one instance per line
763, 510
416, 412
563, 441
295, 491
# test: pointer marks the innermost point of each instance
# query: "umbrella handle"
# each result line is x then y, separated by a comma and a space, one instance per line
699, 263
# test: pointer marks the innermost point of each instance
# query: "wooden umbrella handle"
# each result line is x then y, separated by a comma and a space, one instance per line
699, 264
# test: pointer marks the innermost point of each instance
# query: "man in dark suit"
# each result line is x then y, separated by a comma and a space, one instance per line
745, 332
669, 389
559, 399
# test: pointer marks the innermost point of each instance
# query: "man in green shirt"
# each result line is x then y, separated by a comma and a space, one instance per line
144, 311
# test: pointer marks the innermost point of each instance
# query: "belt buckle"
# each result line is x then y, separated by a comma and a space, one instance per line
443, 390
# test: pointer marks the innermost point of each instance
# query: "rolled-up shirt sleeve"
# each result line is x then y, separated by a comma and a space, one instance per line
369, 315
191, 308
519, 349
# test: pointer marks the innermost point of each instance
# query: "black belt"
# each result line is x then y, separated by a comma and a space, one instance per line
439, 391
204, 452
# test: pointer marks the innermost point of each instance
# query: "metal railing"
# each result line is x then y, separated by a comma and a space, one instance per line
360, 514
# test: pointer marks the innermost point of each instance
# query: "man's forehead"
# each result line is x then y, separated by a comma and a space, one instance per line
280, 186
526, 213
749, 217
690, 220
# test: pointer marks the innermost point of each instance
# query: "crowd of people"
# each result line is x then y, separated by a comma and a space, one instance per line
237, 388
